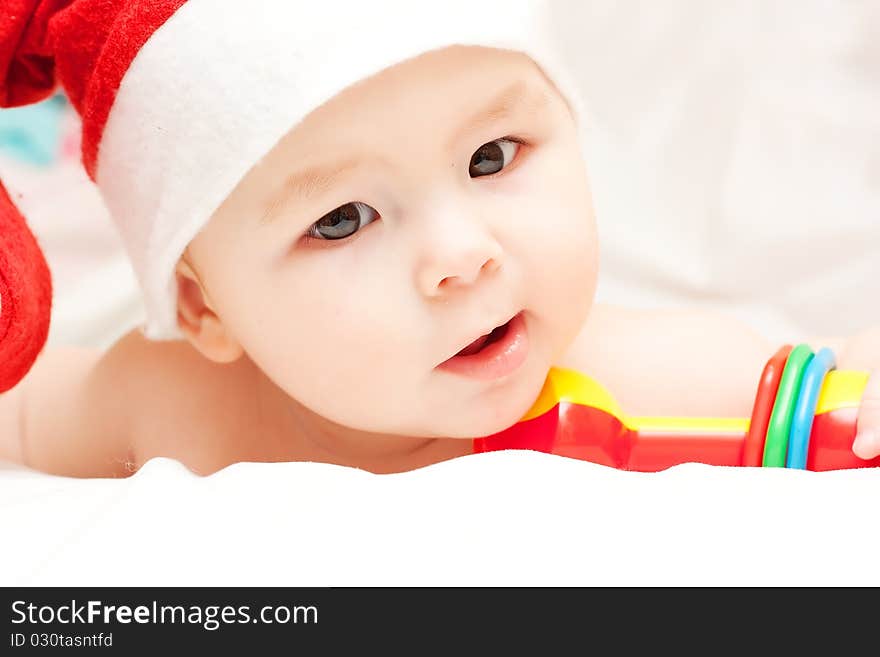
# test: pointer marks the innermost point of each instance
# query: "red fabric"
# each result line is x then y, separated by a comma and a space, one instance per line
80, 34
25, 295
86, 46
27, 57
27, 75
134, 23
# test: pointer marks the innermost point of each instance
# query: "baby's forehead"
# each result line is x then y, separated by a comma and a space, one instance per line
441, 98
445, 83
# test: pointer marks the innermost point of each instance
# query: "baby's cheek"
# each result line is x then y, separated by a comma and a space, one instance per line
347, 369
563, 271
563, 248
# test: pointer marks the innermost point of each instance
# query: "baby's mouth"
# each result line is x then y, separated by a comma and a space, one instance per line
494, 355
496, 334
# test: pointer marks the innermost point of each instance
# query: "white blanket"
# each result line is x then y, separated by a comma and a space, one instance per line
502, 518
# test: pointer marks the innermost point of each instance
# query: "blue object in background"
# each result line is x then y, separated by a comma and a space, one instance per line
32, 133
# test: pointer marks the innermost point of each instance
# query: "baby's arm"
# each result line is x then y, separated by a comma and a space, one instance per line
689, 362
68, 415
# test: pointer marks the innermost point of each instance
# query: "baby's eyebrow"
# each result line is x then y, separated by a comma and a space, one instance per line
520, 96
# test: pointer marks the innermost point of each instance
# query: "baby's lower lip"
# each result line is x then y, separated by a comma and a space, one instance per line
494, 360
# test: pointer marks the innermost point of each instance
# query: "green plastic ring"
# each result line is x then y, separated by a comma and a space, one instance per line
776, 444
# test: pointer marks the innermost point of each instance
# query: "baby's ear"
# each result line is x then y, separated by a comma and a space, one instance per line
199, 322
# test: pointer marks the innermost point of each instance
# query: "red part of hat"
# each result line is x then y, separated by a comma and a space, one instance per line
25, 295
27, 75
27, 56
86, 46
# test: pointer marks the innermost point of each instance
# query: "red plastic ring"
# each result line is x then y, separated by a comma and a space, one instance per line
753, 449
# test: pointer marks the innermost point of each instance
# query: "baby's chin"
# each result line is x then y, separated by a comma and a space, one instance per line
494, 410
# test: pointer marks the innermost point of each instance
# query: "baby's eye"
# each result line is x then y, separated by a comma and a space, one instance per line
346, 220
493, 156
341, 222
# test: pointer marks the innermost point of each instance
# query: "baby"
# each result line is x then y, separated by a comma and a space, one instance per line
395, 277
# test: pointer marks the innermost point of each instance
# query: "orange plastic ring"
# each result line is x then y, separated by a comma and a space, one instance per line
753, 449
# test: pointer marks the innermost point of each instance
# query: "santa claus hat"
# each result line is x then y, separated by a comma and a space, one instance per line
179, 99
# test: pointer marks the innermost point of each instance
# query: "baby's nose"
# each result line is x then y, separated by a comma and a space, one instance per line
449, 273
487, 267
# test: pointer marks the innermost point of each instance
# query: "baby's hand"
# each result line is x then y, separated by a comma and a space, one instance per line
867, 443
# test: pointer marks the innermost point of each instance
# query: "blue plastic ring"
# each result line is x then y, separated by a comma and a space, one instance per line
805, 408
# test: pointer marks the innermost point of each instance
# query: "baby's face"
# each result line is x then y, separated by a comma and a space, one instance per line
426, 224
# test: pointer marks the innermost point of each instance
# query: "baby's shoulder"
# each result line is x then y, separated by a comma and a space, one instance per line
589, 350
83, 411
173, 395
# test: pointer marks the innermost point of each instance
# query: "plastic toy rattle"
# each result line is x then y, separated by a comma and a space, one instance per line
804, 417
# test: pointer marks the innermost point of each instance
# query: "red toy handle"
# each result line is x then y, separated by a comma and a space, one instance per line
592, 432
